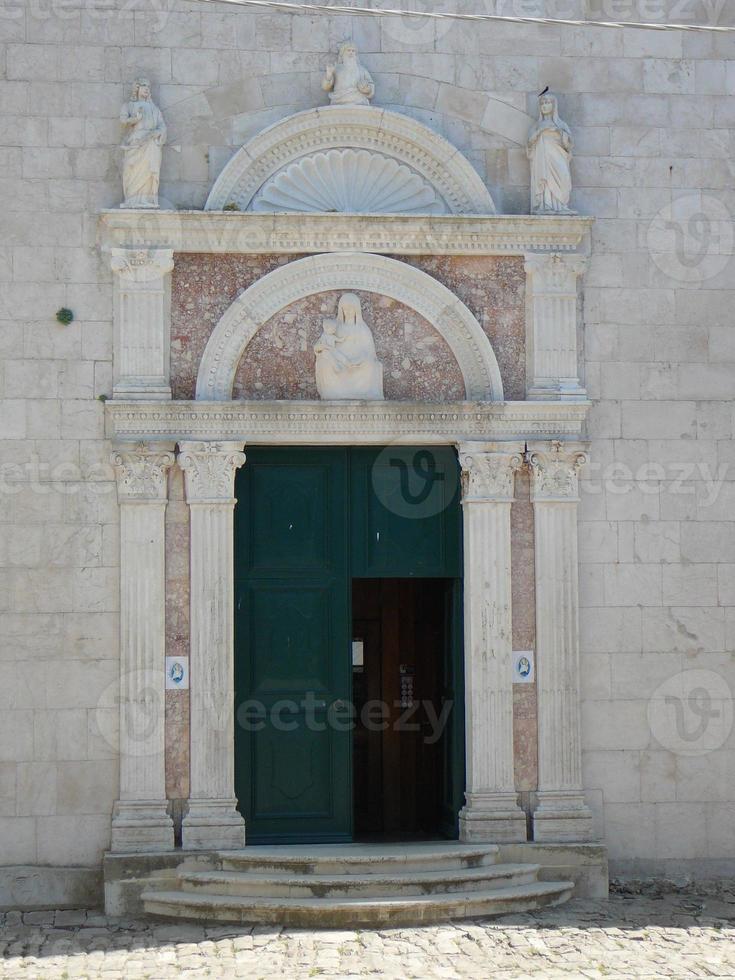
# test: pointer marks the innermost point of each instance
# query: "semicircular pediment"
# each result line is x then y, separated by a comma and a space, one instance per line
280, 168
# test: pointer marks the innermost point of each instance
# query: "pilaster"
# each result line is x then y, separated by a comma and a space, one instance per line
140, 819
209, 471
561, 814
551, 340
491, 812
142, 322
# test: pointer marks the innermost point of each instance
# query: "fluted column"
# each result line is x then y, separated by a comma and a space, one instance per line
140, 818
561, 813
209, 471
551, 289
142, 314
491, 812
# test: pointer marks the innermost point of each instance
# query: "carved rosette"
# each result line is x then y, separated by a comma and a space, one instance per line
141, 264
209, 470
141, 473
555, 473
488, 475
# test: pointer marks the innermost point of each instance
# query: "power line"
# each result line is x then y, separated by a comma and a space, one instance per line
326, 8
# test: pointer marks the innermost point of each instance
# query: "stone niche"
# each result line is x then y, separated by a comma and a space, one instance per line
278, 363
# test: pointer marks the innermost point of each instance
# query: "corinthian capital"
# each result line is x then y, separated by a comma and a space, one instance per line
141, 264
555, 472
553, 272
209, 470
141, 472
488, 473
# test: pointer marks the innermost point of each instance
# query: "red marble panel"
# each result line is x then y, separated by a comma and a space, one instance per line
493, 287
523, 592
204, 286
177, 636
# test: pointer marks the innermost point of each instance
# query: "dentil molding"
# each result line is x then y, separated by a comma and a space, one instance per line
344, 423
218, 232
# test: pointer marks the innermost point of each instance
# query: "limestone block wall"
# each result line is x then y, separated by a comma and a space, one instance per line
652, 115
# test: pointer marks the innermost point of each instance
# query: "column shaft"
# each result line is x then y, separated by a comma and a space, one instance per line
491, 812
212, 821
140, 820
561, 813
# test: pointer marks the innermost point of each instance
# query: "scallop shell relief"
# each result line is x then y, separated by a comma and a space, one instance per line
352, 181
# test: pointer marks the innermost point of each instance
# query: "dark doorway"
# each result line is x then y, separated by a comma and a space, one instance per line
403, 705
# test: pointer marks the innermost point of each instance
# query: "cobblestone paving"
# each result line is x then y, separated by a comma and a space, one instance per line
673, 936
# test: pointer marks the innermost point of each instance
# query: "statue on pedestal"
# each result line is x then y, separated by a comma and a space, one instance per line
550, 152
144, 135
347, 82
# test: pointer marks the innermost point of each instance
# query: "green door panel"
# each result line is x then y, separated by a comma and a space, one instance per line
292, 631
405, 512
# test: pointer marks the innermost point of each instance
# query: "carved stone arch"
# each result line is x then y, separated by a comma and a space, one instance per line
410, 154
350, 271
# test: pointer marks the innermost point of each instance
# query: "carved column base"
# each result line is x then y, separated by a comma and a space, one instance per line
212, 825
141, 826
561, 818
492, 818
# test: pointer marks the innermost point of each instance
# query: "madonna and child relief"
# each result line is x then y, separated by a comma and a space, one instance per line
347, 365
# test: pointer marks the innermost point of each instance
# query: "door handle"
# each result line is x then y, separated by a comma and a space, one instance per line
339, 704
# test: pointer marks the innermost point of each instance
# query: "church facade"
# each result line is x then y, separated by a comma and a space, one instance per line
367, 444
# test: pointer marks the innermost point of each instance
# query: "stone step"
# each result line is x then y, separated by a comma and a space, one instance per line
286, 884
353, 912
362, 859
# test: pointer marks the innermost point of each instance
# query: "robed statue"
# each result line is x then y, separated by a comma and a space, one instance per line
347, 82
347, 365
144, 133
550, 152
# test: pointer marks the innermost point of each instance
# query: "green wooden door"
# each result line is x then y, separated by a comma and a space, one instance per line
306, 523
292, 629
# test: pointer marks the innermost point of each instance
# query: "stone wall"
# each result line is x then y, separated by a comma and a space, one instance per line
652, 115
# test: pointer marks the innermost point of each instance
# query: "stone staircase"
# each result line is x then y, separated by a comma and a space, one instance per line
353, 885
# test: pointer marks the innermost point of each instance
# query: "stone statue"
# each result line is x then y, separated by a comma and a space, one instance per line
144, 135
347, 82
346, 363
550, 152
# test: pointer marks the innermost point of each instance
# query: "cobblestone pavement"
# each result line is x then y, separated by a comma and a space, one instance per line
673, 936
